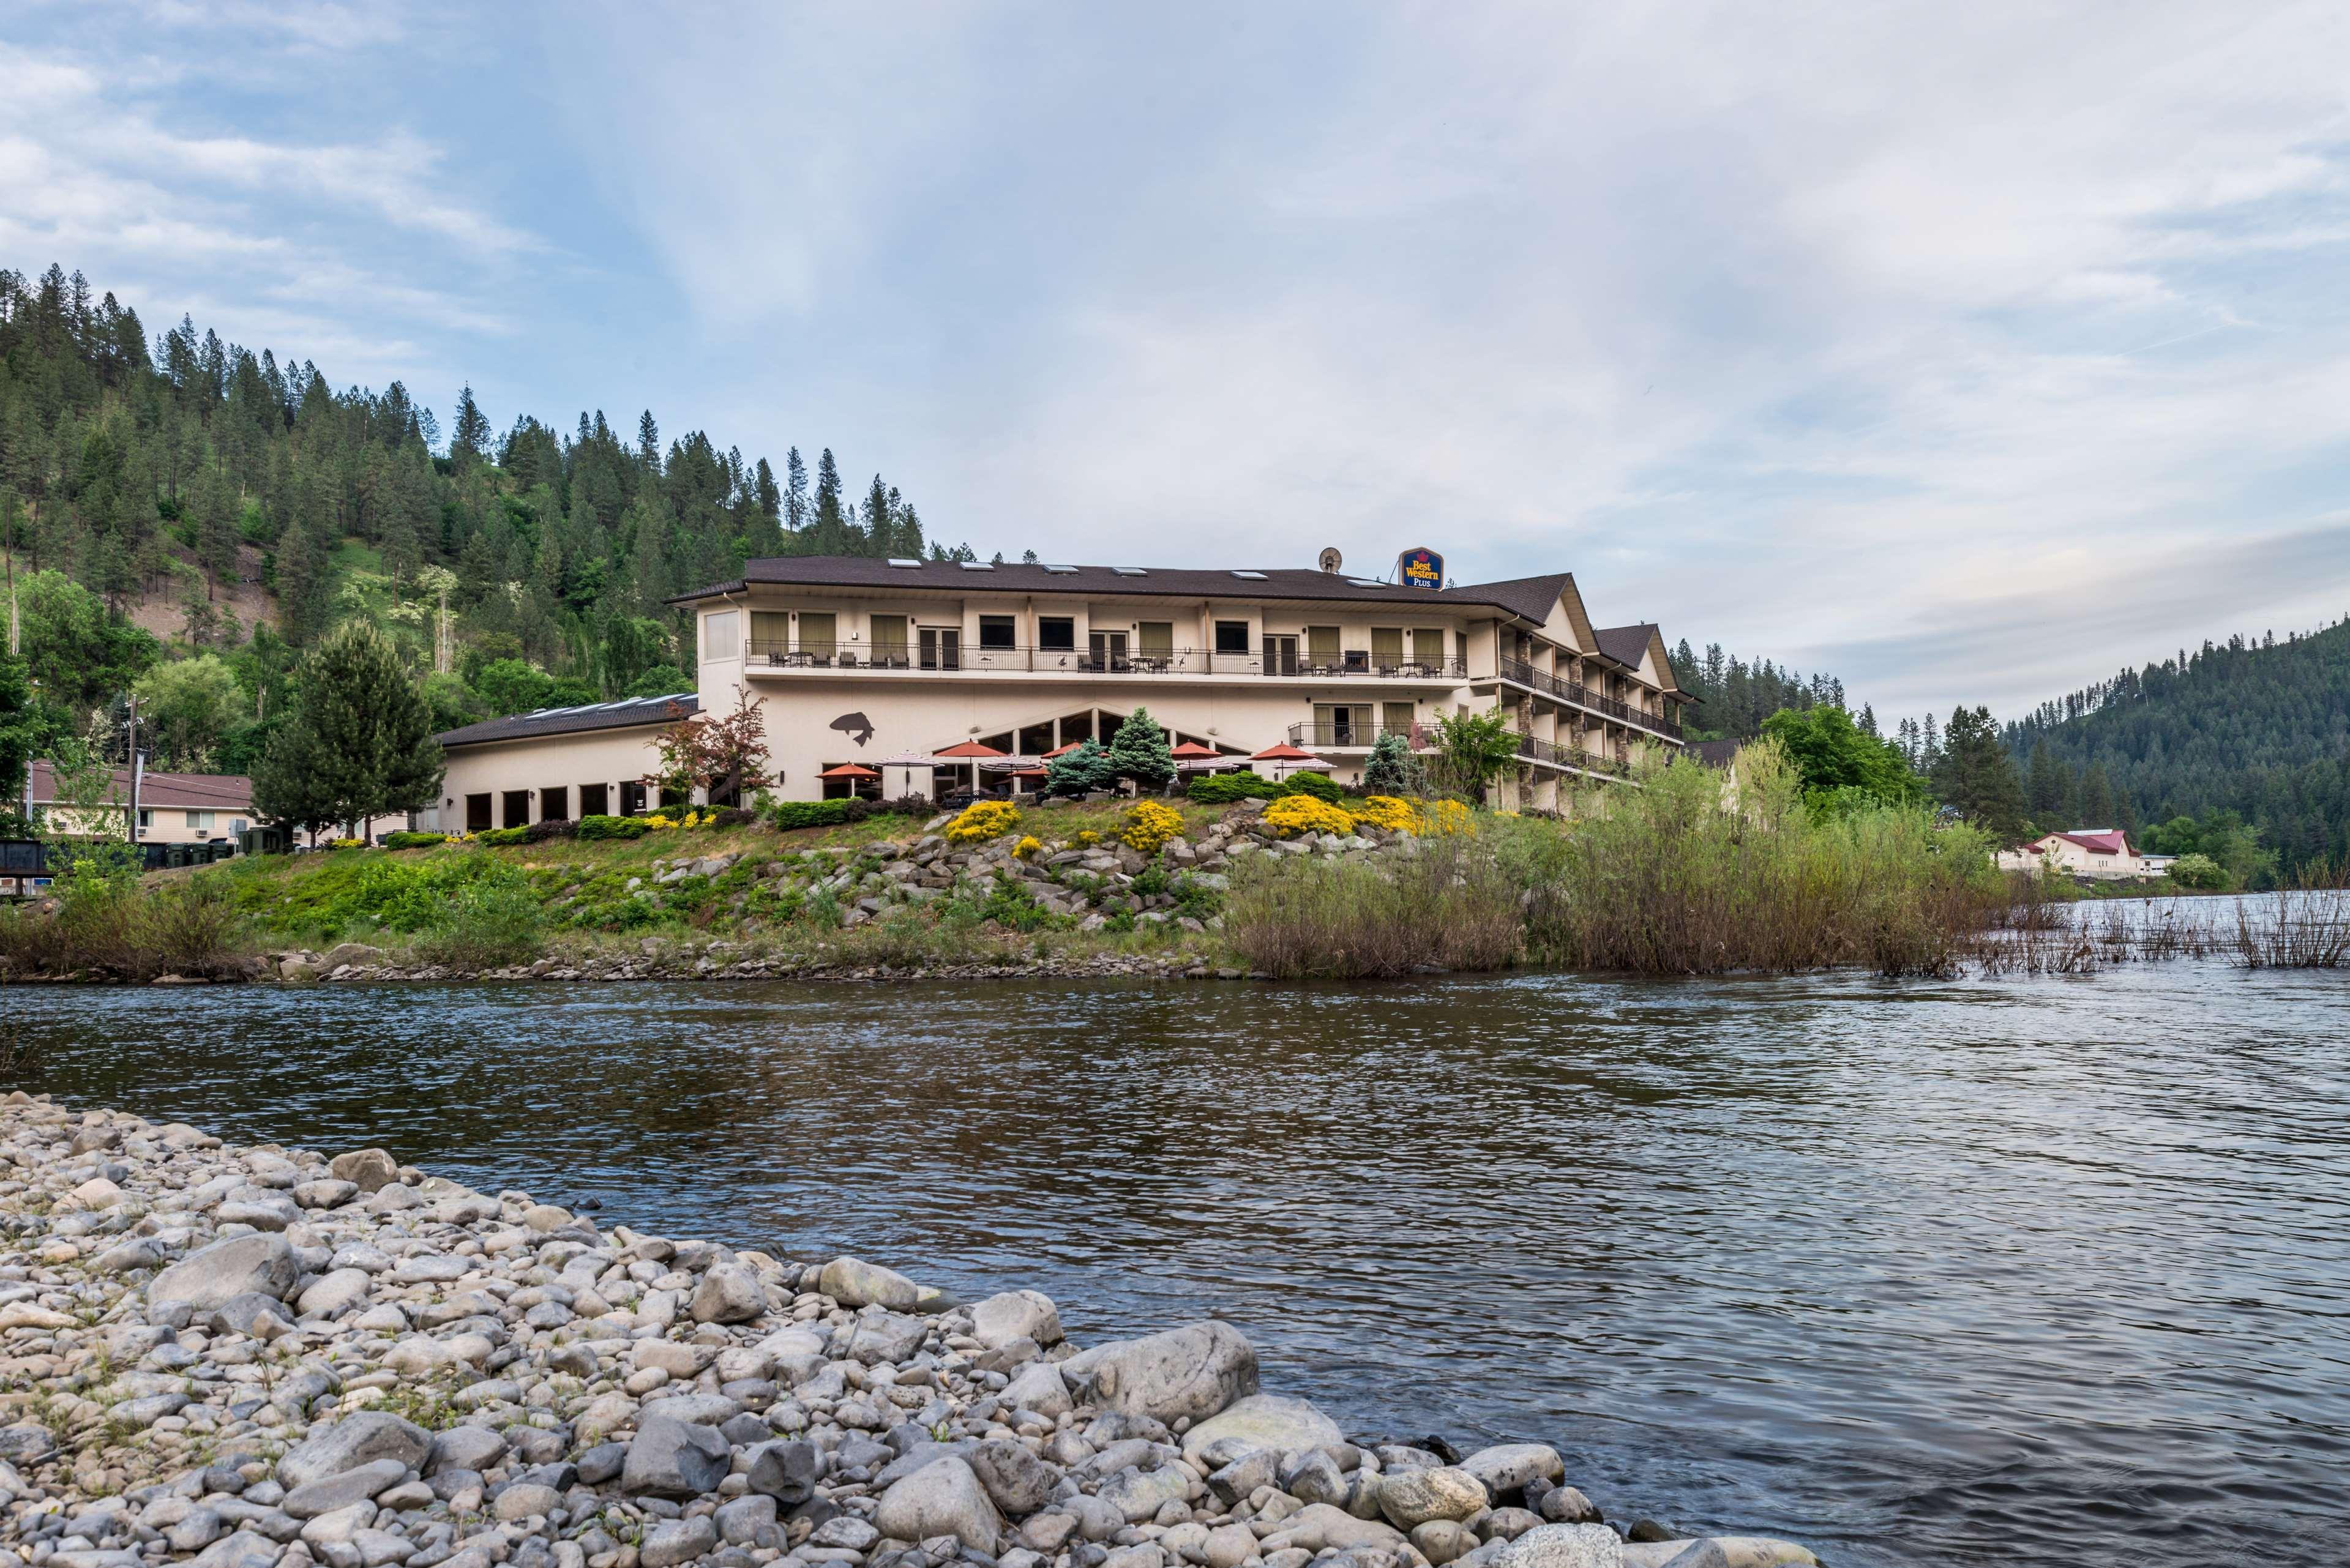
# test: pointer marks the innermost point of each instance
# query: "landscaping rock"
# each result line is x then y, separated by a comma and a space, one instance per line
262, 1264
1189, 1373
940, 1498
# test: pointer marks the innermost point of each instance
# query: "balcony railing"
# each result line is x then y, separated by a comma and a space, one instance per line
1329, 737
1525, 674
1535, 749
1025, 660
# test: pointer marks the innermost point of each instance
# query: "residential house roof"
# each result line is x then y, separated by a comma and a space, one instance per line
617, 716
157, 791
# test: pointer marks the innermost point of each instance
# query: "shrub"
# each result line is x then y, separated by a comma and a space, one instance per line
1140, 751
611, 828
1387, 813
788, 814
1319, 785
1303, 814
499, 837
1027, 846
491, 923
1149, 824
982, 820
403, 839
1082, 770
1444, 819
2197, 871
557, 827
1222, 789
735, 817
1392, 769
347, 843
856, 809
1331, 918
911, 805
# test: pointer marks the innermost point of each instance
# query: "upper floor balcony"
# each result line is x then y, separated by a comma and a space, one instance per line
1523, 674
948, 657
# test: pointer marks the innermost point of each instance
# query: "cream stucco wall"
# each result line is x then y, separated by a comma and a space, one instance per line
606, 757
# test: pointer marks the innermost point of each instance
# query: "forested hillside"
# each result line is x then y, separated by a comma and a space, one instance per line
1734, 696
186, 495
2259, 729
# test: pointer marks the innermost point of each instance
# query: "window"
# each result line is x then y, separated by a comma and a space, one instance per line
517, 807
819, 633
1428, 646
1232, 637
996, 632
1322, 645
238, 824
201, 819
632, 800
771, 632
889, 634
941, 647
721, 636
1396, 718
555, 805
477, 814
1057, 633
146, 820
1155, 639
595, 799
1386, 646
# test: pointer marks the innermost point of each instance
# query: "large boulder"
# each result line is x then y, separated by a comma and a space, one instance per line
1564, 1546
1192, 1372
878, 1337
1015, 1314
1039, 1387
1415, 1497
263, 1263
853, 1282
943, 1498
1718, 1551
729, 1293
676, 1540
1508, 1467
1017, 1482
670, 1457
784, 1471
369, 1169
1259, 1421
353, 1441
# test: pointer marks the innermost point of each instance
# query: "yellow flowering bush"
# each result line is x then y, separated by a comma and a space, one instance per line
1087, 838
1028, 844
1388, 813
1150, 823
659, 819
1303, 814
982, 820
348, 844
1443, 818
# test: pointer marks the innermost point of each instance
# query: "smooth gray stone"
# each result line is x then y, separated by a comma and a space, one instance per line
263, 1263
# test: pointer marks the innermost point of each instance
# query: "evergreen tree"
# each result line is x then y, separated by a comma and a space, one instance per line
1391, 769
1975, 776
359, 742
829, 531
1081, 772
22, 735
2048, 790
469, 438
766, 493
649, 442
1140, 751
796, 492
2097, 798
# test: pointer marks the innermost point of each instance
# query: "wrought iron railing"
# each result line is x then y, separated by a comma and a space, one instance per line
1581, 696
1108, 659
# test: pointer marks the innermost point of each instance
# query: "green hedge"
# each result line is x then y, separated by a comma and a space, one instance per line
1222, 789
498, 837
403, 839
788, 814
611, 828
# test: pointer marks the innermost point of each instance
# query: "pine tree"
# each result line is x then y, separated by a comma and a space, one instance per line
359, 742
2097, 798
648, 442
2045, 789
829, 533
796, 492
1976, 777
1140, 751
766, 493
469, 438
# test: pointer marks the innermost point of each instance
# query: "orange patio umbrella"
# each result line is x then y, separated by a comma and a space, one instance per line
971, 752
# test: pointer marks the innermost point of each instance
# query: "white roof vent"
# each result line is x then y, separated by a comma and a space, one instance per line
900, 561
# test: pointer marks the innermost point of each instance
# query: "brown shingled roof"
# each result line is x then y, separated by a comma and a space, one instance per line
167, 792
577, 720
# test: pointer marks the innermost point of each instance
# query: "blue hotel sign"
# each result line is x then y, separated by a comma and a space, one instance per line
1420, 569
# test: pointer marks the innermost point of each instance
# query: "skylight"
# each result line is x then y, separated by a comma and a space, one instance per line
1252, 577
1060, 569
1365, 582
979, 566
899, 561
1129, 571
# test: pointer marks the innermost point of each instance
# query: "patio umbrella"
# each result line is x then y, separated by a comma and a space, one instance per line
1063, 751
1191, 751
1284, 759
970, 752
848, 771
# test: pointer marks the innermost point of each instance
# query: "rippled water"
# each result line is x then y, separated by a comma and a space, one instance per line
2028, 1272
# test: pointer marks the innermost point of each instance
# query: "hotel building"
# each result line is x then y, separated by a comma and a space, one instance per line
882, 665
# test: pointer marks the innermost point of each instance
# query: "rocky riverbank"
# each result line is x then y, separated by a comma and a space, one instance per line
265, 1358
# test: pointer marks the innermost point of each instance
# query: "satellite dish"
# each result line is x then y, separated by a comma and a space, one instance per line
1329, 558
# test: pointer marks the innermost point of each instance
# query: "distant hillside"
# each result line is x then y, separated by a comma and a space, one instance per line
2259, 728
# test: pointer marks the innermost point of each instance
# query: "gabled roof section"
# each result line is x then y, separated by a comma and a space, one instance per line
1627, 644
619, 715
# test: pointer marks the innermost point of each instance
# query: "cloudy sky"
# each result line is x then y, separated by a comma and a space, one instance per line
1968, 352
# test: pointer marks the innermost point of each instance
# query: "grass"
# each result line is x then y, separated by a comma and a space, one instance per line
1452, 905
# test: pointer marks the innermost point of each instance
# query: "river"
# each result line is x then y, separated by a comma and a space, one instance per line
2045, 1271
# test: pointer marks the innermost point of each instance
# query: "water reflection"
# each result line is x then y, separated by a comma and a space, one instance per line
2027, 1271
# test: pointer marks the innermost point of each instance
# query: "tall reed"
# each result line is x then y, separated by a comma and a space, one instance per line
1450, 904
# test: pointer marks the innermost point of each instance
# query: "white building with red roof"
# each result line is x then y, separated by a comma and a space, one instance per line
2097, 854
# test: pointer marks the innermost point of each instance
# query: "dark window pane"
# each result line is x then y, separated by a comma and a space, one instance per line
1232, 637
995, 631
1057, 633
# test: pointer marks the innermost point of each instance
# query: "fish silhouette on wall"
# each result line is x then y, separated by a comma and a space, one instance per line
856, 726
